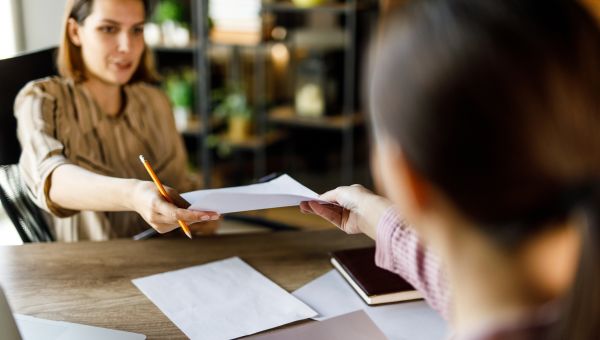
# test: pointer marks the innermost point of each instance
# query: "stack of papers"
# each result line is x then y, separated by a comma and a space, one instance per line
283, 191
222, 300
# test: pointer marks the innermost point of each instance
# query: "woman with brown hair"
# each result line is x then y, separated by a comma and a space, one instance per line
486, 118
81, 133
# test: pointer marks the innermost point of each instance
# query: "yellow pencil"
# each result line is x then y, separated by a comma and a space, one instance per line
163, 192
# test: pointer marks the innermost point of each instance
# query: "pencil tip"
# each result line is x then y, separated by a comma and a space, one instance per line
142, 159
188, 234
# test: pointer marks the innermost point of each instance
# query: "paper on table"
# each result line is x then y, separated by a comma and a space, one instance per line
352, 326
222, 300
330, 295
282, 191
32, 328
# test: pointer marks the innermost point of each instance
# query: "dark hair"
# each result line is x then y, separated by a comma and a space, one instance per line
497, 104
69, 60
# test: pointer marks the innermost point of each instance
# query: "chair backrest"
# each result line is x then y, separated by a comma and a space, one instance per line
15, 73
23, 213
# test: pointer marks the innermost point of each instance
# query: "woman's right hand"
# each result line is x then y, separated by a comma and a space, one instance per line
357, 210
162, 215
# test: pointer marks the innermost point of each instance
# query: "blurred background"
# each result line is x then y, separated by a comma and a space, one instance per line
257, 86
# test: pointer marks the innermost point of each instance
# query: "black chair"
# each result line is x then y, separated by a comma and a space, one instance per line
16, 72
24, 214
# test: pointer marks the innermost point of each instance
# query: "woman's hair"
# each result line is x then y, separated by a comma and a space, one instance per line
497, 104
70, 61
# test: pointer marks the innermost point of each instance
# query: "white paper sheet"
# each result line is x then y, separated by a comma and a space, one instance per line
283, 191
32, 328
222, 300
331, 296
352, 326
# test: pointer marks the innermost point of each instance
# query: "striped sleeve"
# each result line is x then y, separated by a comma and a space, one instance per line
399, 250
36, 112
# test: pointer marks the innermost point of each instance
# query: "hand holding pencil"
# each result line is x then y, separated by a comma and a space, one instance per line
169, 209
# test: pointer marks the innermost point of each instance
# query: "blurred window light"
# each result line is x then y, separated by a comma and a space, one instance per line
8, 43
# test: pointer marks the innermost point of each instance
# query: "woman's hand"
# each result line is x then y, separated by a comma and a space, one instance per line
162, 215
359, 209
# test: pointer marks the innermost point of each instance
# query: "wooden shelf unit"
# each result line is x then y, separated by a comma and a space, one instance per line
285, 115
253, 143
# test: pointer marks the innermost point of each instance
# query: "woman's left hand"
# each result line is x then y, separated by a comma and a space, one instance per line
209, 223
163, 215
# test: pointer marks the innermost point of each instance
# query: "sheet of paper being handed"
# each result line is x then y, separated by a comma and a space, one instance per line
282, 191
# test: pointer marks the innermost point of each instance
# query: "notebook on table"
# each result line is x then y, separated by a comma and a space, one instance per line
373, 284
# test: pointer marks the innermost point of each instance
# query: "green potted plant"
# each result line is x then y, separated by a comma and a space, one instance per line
180, 90
168, 10
169, 15
235, 109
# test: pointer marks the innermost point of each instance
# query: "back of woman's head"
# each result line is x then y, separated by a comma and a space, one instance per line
497, 104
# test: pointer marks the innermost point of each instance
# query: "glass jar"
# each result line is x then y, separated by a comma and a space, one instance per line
309, 99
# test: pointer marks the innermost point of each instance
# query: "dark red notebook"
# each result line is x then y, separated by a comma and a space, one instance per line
373, 284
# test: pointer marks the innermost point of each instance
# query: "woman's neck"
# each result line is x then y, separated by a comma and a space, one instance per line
487, 288
491, 285
107, 96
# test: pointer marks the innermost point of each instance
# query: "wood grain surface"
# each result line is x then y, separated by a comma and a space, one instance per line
90, 282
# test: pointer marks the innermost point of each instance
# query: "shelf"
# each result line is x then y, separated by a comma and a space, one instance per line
253, 143
336, 8
215, 49
173, 49
221, 37
285, 115
221, 51
195, 127
230, 39
192, 48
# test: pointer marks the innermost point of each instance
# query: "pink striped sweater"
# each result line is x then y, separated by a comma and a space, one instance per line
399, 250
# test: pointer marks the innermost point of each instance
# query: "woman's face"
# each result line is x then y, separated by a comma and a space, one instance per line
111, 39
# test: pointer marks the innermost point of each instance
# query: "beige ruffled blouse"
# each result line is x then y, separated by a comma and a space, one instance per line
59, 123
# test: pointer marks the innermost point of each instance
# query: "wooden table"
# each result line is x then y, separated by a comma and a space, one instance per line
90, 282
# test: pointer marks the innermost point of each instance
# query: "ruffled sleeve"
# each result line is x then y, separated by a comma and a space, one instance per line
38, 114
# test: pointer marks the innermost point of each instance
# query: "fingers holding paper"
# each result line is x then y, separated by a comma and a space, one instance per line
337, 215
163, 215
359, 209
186, 215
